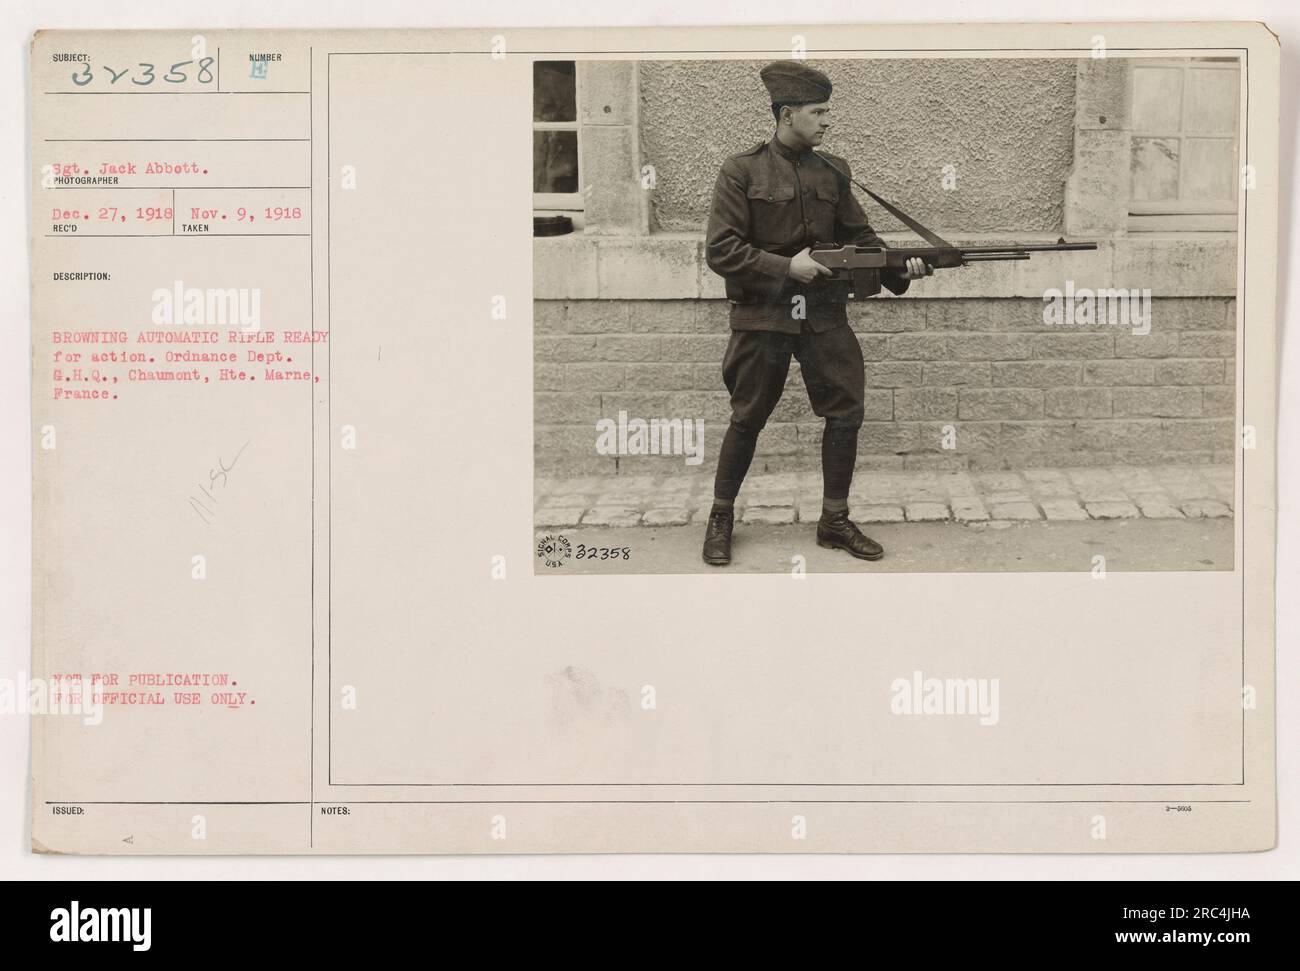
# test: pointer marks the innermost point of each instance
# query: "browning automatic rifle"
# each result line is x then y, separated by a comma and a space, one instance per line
861, 266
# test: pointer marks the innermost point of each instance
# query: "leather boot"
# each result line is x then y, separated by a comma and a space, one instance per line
839, 533
717, 537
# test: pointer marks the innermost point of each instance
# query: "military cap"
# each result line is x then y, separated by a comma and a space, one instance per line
790, 82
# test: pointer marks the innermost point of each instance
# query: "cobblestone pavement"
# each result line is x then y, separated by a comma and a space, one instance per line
1128, 492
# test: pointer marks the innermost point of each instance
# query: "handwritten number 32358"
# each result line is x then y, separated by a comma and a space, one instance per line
586, 552
146, 76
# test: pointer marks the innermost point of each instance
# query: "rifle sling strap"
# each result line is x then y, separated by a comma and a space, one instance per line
934, 239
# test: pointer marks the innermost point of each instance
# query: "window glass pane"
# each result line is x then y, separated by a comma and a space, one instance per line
1211, 101
1210, 173
1155, 169
554, 91
1157, 98
555, 161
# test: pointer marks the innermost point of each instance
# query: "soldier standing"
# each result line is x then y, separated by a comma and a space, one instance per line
770, 204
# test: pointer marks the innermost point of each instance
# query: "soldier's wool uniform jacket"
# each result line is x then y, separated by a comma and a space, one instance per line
768, 204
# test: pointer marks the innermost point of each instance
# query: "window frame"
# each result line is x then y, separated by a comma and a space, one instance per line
1179, 214
564, 201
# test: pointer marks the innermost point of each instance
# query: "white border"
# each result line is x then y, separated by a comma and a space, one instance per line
16, 862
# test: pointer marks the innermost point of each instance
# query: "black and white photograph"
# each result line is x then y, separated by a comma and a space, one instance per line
921, 315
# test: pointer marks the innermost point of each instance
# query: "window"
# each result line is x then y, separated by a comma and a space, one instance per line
556, 182
1184, 144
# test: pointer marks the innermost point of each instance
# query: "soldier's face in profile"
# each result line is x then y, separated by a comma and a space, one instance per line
809, 123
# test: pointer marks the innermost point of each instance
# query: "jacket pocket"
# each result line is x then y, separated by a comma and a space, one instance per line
771, 193
829, 194
774, 215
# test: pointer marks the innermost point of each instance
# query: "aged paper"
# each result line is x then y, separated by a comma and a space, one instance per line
325, 428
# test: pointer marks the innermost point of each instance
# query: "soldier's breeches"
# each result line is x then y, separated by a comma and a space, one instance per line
754, 370
839, 453
733, 461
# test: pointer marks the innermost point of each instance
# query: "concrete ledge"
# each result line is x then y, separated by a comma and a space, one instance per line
564, 268
671, 266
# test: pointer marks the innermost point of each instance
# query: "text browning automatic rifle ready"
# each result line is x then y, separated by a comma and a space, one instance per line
861, 266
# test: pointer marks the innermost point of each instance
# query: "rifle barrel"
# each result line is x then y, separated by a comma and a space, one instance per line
1010, 248
1028, 248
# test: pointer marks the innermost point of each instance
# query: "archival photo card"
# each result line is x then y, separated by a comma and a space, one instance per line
827, 439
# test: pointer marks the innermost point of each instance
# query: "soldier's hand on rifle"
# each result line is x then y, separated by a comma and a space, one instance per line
917, 268
804, 268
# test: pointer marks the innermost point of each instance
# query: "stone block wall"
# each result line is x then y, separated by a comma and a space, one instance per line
984, 375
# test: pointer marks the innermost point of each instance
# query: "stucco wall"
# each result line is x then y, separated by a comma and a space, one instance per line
898, 122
